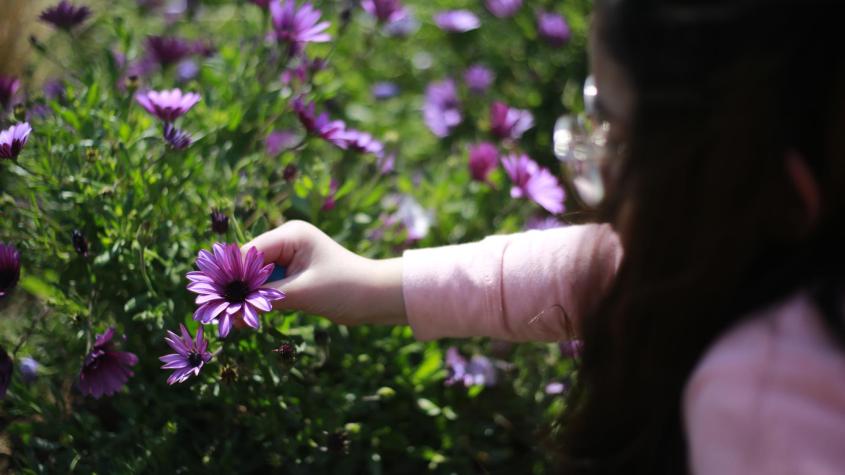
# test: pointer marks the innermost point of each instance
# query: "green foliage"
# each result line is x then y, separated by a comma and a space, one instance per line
96, 162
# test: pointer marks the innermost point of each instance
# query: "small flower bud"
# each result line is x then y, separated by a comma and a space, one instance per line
20, 112
219, 222
289, 172
132, 83
287, 353
80, 243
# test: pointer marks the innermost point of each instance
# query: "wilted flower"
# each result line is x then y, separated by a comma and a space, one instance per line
329, 203
13, 139
65, 15
191, 354
457, 21
168, 50
10, 268
541, 223
479, 370
219, 222
297, 26
29, 369
229, 285
385, 11
534, 182
105, 371
504, 8
478, 78
175, 138
278, 141
384, 90
441, 110
6, 368
167, 105
509, 123
286, 352
330, 130
289, 173
362, 142
553, 28
9, 86
483, 159
80, 243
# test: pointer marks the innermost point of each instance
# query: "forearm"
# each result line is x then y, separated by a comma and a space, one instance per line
380, 300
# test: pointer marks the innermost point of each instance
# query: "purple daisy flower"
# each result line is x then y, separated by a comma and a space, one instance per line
13, 139
9, 86
6, 369
483, 159
105, 371
167, 105
65, 15
29, 369
10, 268
385, 11
279, 141
479, 370
168, 50
478, 78
553, 29
441, 110
504, 8
555, 388
534, 182
362, 142
229, 285
509, 123
191, 354
332, 131
457, 21
297, 26
175, 138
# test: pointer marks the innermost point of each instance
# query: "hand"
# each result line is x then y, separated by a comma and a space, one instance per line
323, 278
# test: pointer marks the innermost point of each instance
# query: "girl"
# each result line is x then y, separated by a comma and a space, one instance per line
711, 304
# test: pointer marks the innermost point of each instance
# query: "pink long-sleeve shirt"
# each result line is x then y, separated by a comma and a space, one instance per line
768, 397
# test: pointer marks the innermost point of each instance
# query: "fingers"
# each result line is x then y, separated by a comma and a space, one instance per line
281, 244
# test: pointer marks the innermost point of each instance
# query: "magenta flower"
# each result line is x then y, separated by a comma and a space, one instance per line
229, 285
385, 11
534, 182
483, 159
13, 139
553, 29
168, 50
297, 26
167, 105
441, 110
191, 354
478, 78
6, 369
9, 86
479, 370
175, 138
457, 21
504, 8
10, 268
105, 370
332, 131
65, 15
509, 123
280, 140
362, 142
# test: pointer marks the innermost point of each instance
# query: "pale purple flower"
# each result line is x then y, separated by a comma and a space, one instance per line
168, 50
330, 203
175, 138
457, 21
321, 125
479, 370
385, 11
534, 182
478, 78
186, 70
29, 369
105, 370
362, 142
9, 86
167, 105
54, 89
504, 8
279, 141
541, 223
384, 90
553, 28
386, 163
416, 219
509, 123
65, 15
483, 159
297, 26
10, 268
441, 110
13, 139
6, 369
191, 354
229, 285
403, 27
555, 388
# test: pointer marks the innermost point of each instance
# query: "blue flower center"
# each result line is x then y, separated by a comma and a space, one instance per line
236, 291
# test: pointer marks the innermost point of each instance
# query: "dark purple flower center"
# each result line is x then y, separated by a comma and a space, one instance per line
236, 291
8, 277
194, 359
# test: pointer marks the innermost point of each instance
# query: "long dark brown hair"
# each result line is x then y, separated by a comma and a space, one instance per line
714, 227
